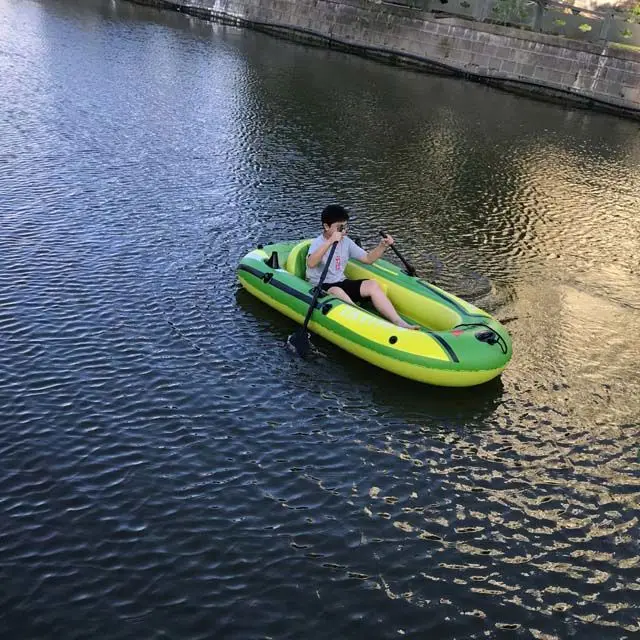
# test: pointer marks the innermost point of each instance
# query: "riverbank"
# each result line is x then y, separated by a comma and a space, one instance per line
550, 67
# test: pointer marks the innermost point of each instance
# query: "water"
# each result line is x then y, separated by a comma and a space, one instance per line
170, 470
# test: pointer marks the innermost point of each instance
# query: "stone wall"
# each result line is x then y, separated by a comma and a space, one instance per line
541, 65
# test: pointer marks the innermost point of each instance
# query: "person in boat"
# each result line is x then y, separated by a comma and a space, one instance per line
335, 220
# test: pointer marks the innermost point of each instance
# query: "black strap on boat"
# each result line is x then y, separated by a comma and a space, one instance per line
269, 278
489, 335
445, 345
322, 293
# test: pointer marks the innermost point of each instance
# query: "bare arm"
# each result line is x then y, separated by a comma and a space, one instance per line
313, 259
378, 251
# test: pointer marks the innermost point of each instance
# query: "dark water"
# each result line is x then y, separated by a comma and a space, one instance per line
169, 470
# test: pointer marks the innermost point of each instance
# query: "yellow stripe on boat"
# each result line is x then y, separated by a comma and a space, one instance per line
380, 331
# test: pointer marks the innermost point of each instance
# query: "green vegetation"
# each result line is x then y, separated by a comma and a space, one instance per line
509, 11
625, 47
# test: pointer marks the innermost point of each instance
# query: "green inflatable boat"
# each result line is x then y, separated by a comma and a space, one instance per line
459, 345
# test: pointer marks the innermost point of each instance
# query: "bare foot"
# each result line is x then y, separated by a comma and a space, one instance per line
406, 325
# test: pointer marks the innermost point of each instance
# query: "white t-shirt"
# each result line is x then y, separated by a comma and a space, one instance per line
346, 249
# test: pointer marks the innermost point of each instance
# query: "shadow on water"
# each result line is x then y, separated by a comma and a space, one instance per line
393, 397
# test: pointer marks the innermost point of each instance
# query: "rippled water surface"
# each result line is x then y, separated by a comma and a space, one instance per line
169, 470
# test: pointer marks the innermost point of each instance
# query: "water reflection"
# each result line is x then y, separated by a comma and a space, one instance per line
166, 460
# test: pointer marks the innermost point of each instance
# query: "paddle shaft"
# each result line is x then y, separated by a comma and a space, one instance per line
318, 287
410, 269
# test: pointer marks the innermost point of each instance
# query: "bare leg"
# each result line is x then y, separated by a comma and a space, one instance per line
340, 293
371, 289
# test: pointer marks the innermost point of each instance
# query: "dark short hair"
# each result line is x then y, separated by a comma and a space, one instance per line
334, 213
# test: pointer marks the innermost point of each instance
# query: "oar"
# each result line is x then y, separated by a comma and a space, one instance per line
300, 339
410, 269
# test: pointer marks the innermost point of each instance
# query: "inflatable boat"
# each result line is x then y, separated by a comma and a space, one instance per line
458, 345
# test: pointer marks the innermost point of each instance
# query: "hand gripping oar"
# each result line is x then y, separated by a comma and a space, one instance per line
410, 269
300, 339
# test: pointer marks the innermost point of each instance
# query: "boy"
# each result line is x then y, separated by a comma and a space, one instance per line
334, 225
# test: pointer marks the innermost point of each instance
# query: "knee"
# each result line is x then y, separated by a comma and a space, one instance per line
371, 288
339, 293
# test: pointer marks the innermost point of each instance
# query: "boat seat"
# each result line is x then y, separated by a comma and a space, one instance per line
297, 263
297, 260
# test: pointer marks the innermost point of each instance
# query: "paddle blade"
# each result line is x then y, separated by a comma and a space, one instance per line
299, 341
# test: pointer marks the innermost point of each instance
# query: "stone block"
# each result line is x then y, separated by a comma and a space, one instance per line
555, 76
504, 53
631, 93
621, 76
428, 27
520, 55
544, 74
462, 56
526, 70
567, 79
483, 61
613, 89
508, 67
491, 50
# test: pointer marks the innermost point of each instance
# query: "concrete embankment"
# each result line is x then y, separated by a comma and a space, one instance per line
551, 67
